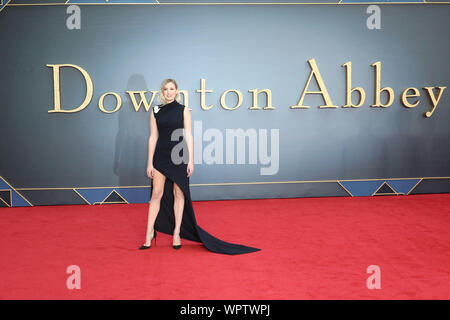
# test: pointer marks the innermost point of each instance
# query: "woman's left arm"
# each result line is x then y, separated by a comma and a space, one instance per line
189, 139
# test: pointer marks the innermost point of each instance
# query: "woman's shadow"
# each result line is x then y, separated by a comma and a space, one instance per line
131, 148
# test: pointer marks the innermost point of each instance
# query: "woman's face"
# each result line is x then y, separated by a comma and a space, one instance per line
169, 92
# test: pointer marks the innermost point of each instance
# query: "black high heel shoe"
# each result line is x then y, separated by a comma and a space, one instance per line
143, 247
178, 246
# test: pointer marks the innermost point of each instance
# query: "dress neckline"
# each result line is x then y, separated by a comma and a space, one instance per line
167, 104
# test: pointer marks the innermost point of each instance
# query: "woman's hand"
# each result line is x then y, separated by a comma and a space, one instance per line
150, 171
190, 169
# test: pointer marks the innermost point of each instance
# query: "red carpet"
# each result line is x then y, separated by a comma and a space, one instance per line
312, 248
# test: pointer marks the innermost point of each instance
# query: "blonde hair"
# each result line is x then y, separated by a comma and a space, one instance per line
161, 98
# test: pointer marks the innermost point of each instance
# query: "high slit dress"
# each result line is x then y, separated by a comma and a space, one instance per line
169, 159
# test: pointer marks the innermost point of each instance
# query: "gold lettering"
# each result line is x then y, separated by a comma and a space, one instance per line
255, 99
136, 105
349, 90
57, 90
378, 90
222, 99
405, 96
323, 90
203, 92
433, 99
118, 102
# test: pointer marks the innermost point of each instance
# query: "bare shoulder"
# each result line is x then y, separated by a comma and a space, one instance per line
187, 116
186, 109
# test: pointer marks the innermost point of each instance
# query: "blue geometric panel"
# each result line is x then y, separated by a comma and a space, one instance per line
33, 2
131, 195
404, 185
384, 1
135, 195
114, 197
3, 184
106, 2
93, 195
5, 198
362, 188
384, 190
111, 1
16, 199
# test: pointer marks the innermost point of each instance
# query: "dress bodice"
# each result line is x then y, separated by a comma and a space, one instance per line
169, 120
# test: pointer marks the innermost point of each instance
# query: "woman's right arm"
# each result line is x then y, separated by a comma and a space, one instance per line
152, 144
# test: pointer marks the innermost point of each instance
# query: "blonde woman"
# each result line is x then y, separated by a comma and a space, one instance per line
170, 164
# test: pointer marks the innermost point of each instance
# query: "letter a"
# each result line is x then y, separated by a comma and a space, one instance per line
74, 281
374, 281
323, 89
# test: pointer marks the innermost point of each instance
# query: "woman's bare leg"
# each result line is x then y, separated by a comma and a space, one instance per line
157, 192
178, 207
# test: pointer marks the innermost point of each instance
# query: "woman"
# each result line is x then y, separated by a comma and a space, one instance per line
170, 209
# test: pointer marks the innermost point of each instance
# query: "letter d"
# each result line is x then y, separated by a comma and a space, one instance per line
57, 91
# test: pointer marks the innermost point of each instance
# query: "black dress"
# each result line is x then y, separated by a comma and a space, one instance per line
170, 117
